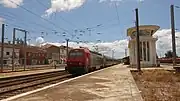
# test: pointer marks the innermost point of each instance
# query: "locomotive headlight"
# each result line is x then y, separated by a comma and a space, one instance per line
80, 63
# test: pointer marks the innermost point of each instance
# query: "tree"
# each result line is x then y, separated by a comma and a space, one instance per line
169, 54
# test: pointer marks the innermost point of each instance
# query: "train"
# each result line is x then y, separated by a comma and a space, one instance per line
126, 60
82, 60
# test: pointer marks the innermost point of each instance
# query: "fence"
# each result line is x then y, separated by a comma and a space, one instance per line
31, 64
169, 60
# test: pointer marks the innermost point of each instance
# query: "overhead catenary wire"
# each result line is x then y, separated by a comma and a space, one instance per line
44, 18
117, 13
59, 16
39, 16
25, 24
78, 30
29, 31
15, 25
12, 18
70, 23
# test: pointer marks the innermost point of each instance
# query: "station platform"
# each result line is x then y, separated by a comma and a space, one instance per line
29, 72
114, 83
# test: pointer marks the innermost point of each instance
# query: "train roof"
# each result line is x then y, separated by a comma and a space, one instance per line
90, 51
87, 50
95, 52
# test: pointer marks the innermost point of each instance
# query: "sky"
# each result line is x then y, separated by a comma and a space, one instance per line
101, 23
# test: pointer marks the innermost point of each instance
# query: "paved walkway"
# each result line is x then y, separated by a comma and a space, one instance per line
111, 84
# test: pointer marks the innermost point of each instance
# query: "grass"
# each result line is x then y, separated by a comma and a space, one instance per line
158, 85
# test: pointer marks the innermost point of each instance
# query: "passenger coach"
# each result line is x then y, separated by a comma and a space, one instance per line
82, 60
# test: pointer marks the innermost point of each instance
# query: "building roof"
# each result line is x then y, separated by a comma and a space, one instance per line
34, 49
50, 45
7, 45
150, 28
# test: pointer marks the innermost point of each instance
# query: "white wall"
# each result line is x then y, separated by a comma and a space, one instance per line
133, 52
10, 50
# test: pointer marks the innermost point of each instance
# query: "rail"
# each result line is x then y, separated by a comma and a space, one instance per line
20, 84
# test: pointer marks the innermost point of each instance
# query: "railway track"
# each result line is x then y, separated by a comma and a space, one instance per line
12, 86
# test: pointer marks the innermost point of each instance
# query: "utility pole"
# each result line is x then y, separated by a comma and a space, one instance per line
14, 38
25, 43
137, 40
2, 48
14, 31
125, 52
173, 35
112, 54
67, 51
59, 54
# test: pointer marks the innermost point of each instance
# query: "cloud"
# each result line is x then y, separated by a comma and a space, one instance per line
67, 5
140, 0
39, 41
63, 5
11, 3
118, 0
110, 0
164, 42
1, 20
106, 48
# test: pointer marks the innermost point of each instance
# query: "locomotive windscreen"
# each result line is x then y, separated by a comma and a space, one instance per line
76, 53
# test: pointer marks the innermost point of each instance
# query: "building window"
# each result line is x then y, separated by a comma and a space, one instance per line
34, 54
140, 48
4, 61
144, 51
7, 53
148, 52
29, 54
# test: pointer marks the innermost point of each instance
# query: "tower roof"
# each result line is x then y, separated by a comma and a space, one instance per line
148, 28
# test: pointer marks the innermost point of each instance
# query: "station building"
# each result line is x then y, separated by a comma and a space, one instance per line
148, 56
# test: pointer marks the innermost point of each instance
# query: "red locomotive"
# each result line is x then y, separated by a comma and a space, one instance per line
82, 60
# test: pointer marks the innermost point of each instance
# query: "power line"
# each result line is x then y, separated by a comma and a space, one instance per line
117, 13
41, 4
70, 23
39, 16
12, 18
81, 30
34, 23
112, 26
29, 30
97, 26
